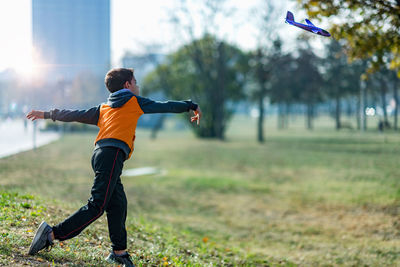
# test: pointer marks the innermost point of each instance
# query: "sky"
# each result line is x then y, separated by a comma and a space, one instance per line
134, 26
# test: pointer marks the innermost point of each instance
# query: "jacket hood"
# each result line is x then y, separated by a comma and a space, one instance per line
119, 98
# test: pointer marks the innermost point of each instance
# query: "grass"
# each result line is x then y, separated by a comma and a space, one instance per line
302, 198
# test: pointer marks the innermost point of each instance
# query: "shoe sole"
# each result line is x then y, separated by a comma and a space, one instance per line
38, 234
111, 260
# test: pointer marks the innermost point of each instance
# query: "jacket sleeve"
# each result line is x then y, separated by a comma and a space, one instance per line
151, 106
89, 116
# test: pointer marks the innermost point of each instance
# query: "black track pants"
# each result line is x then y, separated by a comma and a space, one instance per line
107, 195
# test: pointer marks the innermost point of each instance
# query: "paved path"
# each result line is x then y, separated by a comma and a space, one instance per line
14, 138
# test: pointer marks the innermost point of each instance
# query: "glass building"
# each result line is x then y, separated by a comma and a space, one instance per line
72, 37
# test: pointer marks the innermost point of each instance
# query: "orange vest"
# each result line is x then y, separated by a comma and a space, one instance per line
119, 123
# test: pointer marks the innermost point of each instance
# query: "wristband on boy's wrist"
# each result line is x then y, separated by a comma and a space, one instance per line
192, 106
49, 115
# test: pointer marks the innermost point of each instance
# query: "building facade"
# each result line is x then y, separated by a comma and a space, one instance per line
72, 37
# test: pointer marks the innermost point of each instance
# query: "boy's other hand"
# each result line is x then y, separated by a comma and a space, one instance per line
35, 114
197, 116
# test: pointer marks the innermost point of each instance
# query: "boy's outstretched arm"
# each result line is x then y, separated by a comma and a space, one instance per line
150, 106
89, 116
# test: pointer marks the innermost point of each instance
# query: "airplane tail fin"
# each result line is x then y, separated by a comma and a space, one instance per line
289, 16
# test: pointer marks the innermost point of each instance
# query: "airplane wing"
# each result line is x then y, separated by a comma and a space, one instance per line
309, 23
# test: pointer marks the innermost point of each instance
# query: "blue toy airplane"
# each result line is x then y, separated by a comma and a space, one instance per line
309, 27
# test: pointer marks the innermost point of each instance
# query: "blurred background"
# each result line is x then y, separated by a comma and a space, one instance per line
232, 57
296, 157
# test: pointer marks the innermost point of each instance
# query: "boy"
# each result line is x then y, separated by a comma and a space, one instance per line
114, 144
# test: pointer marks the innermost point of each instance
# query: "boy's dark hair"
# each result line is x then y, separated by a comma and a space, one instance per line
116, 78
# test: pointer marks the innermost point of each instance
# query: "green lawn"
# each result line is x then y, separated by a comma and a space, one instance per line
301, 198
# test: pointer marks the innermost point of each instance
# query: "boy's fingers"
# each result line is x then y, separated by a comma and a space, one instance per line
31, 117
195, 118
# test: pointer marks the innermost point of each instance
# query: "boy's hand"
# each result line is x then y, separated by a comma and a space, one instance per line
35, 114
197, 116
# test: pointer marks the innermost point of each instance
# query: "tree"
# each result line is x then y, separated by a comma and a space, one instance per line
370, 27
383, 88
396, 99
264, 58
209, 71
341, 78
382, 81
308, 80
261, 75
282, 86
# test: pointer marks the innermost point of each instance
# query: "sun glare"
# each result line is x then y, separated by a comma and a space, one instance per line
23, 63
15, 37
27, 63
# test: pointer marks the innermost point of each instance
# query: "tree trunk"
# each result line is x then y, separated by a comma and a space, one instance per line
396, 101
365, 101
358, 113
383, 102
337, 112
309, 116
261, 77
157, 127
219, 94
363, 98
287, 114
281, 118
260, 124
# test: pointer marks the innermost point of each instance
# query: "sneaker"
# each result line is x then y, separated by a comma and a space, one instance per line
41, 239
124, 259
